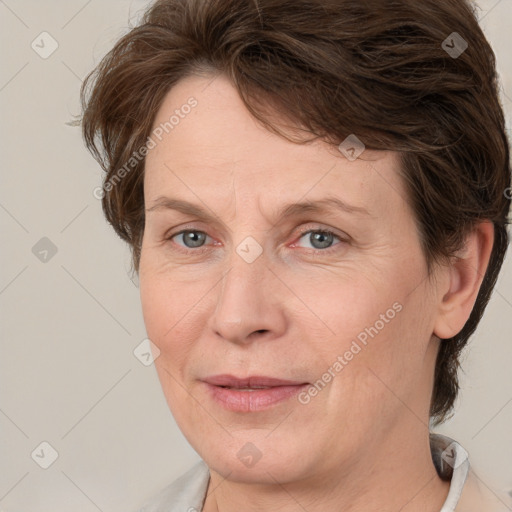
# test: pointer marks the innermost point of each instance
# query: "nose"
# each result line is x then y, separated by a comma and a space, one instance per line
250, 302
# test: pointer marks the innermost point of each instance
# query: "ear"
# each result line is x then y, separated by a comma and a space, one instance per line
464, 277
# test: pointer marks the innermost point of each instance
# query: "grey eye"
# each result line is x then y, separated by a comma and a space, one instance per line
320, 239
192, 239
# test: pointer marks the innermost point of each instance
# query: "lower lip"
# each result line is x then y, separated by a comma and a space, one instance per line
252, 401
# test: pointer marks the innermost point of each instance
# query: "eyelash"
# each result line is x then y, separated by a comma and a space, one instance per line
302, 232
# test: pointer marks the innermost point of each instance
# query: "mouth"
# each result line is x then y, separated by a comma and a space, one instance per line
251, 394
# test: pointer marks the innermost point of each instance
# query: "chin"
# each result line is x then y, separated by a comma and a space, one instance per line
250, 464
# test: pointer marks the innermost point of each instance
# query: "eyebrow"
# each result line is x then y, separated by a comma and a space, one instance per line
324, 205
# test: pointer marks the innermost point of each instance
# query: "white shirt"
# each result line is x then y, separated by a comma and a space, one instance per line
468, 493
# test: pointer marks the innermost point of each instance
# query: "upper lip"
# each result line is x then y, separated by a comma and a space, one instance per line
248, 382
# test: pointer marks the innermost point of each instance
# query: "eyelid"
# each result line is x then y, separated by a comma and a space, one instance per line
306, 229
170, 233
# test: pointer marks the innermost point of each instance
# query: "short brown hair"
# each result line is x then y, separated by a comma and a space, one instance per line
396, 73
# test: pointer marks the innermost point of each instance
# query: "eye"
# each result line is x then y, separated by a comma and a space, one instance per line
320, 239
191, 239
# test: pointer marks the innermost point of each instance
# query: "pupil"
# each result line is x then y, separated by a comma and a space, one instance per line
325, 239
195, 239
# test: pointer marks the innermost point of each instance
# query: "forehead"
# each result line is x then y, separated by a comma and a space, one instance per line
216, 148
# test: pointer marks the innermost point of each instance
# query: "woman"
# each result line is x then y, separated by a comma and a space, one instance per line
315, 196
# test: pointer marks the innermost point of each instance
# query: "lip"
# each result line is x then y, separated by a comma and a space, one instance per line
237, 400
253, 380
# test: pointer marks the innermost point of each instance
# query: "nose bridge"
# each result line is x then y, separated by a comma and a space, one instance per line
241, 285
243, 301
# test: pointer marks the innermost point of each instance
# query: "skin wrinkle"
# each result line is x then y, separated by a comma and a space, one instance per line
389, 76
290, 315
415, 106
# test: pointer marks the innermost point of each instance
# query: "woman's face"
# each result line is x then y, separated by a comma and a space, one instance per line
333, 299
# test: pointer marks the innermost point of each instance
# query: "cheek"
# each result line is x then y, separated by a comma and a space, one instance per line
388, 367
350, 309
174, 315
381, 330
170, 325
154, 303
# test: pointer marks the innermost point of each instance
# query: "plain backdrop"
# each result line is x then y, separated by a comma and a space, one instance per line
70, 312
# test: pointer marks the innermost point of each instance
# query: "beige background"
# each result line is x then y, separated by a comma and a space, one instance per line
69, 325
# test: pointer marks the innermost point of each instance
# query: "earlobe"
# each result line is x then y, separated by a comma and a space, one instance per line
465, 276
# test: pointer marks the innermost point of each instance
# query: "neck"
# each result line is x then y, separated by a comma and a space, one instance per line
390, 474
